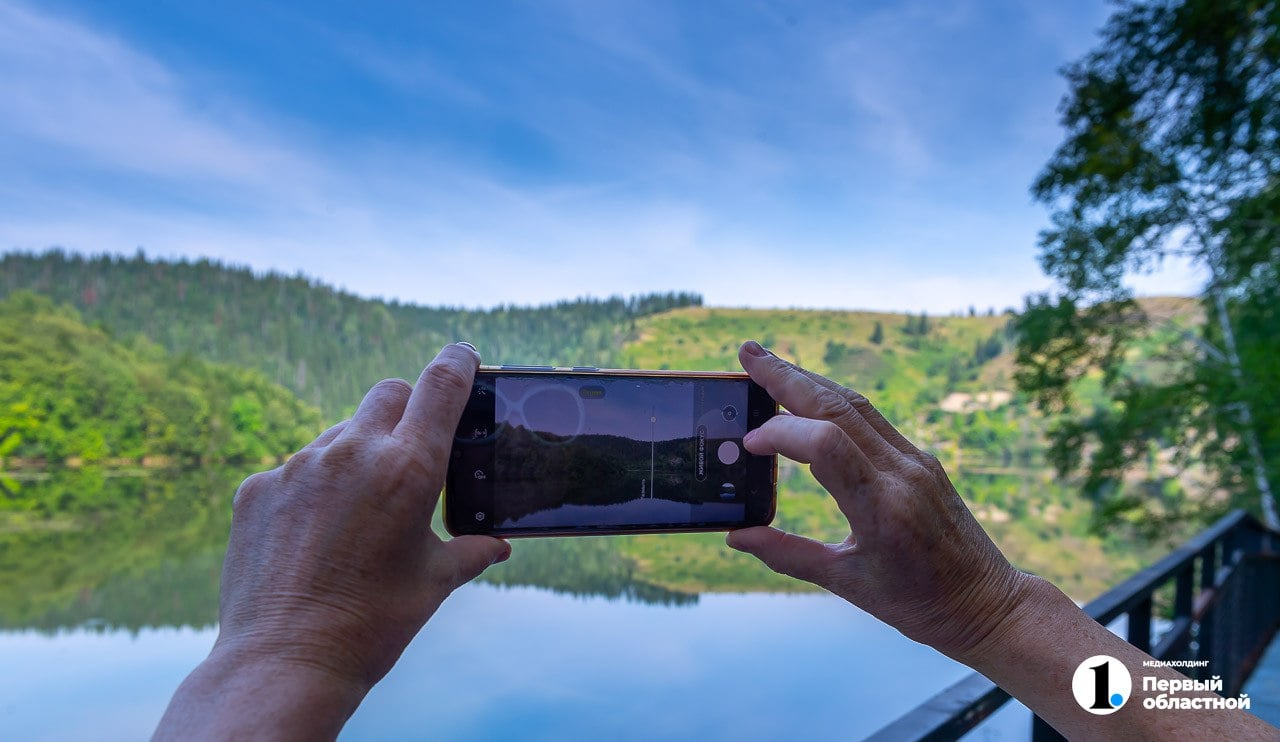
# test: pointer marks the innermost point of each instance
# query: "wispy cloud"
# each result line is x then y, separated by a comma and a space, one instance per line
82, 95
876, 66
797, 158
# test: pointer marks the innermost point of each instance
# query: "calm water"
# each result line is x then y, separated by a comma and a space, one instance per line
106, 606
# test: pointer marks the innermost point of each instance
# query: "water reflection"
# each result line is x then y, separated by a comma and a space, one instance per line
110, 550
108, 596
582, 567
116, 550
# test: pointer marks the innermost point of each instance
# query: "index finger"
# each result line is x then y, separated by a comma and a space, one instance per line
435, 406
802, 394
863, 406
834, 459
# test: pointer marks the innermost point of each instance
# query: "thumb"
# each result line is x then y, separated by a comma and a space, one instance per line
785, 553
473, 554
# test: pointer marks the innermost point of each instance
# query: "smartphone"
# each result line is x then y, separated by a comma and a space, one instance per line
544, 451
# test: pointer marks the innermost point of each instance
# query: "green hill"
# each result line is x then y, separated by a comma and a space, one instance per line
76, 394
919, 367
328, 346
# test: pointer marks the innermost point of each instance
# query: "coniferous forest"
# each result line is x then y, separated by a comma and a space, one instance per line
326, 345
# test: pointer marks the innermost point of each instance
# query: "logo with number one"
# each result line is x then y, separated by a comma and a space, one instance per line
1101, 685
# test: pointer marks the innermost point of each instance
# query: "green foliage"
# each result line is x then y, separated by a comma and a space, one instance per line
1171, 150
122, 550
592, 565
877, 335
986, 350
326, 345
68, 391
918, 326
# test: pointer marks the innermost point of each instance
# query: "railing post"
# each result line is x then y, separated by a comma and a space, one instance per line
1183, 607
1182, 596
1204, 630
1140, 624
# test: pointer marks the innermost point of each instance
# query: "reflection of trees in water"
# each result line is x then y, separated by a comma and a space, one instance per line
589, 470
86, 548
583, 567
81, 547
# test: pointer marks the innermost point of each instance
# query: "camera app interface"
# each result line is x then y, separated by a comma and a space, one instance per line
619, 451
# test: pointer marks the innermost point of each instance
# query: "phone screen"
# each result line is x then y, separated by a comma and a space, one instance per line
571, 453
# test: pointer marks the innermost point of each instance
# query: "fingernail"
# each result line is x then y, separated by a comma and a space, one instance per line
749, 437
504, 556
465, 344
755, 349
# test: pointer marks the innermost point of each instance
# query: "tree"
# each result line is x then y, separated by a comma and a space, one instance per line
1172, 151
877, 334
918, 326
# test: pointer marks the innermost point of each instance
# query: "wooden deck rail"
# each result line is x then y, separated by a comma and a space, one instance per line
1226, 609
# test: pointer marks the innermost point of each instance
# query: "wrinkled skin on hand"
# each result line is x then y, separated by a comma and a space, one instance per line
332, 562
915, 556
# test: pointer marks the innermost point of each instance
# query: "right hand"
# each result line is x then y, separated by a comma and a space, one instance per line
915, 556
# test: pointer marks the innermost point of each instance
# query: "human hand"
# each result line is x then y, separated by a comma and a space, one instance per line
332, 562
915, 557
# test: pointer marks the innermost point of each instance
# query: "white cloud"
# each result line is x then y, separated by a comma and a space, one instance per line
688, 204
68, 88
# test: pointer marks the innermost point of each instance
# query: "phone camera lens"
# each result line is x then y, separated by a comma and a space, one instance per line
730, 413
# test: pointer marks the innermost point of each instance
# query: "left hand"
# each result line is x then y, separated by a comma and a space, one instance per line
332, 561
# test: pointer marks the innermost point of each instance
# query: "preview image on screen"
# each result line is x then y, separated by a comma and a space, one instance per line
622, 451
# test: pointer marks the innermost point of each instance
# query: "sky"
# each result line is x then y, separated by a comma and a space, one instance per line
855, 155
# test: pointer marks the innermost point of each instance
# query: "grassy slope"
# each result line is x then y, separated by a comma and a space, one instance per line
1040, 524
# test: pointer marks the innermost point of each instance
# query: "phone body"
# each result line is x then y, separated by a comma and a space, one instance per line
542, 451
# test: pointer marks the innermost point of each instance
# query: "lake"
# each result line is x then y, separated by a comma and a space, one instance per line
112, 599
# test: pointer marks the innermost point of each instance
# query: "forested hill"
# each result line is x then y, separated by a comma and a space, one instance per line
327, 345
69, 392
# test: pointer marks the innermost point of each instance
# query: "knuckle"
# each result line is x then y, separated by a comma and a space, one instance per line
828, 438
251, 490
390, 387
858, 401
830, 405
931, 464
447, 378
299, 460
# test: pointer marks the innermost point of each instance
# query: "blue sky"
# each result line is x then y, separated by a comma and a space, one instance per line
812, 154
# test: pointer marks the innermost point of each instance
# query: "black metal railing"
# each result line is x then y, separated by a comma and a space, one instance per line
1226, 609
